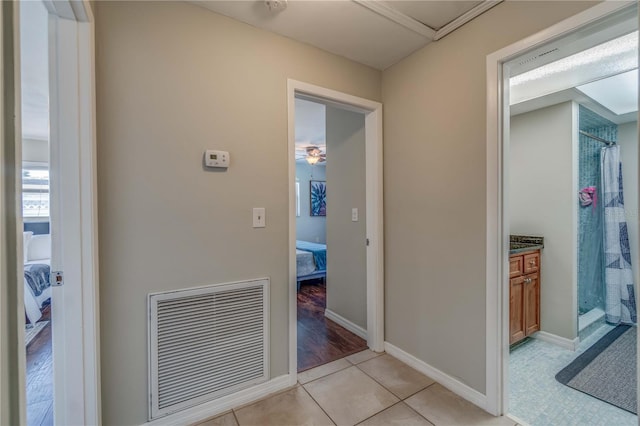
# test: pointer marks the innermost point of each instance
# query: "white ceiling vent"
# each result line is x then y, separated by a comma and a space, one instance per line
205, 343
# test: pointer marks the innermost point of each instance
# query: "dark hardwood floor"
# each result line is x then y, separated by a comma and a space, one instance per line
40, 376
321, 340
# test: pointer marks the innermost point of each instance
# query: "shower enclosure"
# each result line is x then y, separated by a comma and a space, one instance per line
591, 262
605, 276
590, 218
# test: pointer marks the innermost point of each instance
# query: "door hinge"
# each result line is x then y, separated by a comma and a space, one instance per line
57, 278
367, 242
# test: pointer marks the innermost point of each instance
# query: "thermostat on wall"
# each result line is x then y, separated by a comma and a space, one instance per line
216, 158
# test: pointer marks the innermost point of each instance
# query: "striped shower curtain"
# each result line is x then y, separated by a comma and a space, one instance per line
620, 303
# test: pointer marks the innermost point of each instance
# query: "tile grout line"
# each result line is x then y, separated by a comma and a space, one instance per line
400, 399
327, 375
351, 364
318, 404
389, 390
375, 414
416, 411
235, 416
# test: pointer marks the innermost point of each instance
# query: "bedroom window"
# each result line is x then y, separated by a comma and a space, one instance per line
35, 190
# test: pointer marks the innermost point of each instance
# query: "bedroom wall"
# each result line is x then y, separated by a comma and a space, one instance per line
346, 186
309, 228
435, 188
543, 202
628, 142
35, 150
174, 79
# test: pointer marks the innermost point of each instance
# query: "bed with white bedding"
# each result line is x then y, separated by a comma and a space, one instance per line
311, 261
37, 268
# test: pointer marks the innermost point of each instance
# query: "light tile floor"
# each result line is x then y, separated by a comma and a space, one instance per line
366, 389
538, 399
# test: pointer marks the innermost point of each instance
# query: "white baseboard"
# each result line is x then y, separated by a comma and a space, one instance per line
451, 383
340, 320
218, 406
563, 342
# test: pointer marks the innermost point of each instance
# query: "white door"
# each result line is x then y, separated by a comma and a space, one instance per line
73, 223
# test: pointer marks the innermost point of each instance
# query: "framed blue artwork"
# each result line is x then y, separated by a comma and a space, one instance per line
318, 195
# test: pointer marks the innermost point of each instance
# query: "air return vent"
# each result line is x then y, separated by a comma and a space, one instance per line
205, 343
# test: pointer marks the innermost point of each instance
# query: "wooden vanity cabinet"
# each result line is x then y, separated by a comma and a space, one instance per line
524, 295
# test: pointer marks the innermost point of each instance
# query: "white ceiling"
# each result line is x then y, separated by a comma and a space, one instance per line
618, 93
374, 33
596, 67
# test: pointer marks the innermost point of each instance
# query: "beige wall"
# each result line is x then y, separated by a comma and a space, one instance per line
309, 228
174, 79
346, 186
435, 190
628, 142
542, 201
12, 352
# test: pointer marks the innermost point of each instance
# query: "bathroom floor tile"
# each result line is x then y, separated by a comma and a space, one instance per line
396, 376
350, 396
362, 356
292, 407
397, 415
442, 407
323, 370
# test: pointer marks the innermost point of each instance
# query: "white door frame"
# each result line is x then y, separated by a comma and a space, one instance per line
374, 208
73, 213
497, 275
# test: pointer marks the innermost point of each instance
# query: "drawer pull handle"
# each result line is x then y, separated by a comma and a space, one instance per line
532, 262
527, 280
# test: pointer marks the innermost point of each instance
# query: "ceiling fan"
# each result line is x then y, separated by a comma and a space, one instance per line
314, 155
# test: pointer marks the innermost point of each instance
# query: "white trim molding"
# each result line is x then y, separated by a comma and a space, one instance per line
340, 320
497, 238
449, 382
372, 111
463, 19
563, 342
204, 411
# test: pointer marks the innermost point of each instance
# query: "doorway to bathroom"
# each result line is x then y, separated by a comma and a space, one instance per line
568, 252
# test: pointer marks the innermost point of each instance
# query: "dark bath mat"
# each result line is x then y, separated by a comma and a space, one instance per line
607, 370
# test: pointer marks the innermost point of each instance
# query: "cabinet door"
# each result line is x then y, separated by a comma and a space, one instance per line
532, 303
516, 310
516, 266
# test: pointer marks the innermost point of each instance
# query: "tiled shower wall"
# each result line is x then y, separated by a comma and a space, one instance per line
590, 218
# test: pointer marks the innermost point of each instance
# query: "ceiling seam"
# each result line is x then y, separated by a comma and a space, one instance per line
399, 18
463, 19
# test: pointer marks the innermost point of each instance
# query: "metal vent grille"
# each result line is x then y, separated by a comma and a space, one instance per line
205, 343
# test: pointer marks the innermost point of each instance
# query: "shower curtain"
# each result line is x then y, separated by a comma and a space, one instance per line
620, 303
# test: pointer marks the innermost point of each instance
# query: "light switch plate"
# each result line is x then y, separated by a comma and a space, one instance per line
354, 214
259, 220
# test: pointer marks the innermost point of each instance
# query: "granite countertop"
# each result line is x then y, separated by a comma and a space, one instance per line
524, 243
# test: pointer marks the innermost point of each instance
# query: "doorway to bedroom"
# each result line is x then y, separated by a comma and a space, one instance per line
38, 335
331, 264
34, 58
